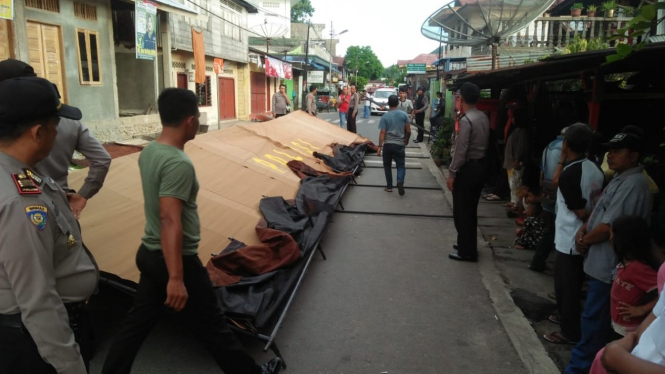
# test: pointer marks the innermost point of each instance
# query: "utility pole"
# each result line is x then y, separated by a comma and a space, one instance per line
305, 90
331, 56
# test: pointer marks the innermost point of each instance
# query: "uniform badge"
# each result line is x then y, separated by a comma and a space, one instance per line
25, 185
71, 240
36, 178
38, 215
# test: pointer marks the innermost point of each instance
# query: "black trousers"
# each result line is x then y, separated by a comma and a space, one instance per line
351, 121
19, 354
467, 188
539, 260
420, 121
203, 314
568, 281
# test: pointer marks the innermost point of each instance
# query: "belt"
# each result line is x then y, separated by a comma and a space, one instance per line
476, 160
73, 311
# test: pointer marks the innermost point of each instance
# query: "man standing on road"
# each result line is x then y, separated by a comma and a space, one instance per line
343, 106
354, 105
580, 184
280, 102
310, 102
171, 273
626, 194
421, 106
466, 172
395, 129
46, 275
72, 136
368, 103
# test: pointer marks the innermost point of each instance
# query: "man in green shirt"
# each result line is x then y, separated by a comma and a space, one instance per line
171, 273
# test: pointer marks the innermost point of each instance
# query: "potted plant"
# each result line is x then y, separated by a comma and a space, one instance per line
608, 7
591, 10
576, 9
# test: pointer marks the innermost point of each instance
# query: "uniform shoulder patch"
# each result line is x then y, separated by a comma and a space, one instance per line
38, 215
31, 174
25, 185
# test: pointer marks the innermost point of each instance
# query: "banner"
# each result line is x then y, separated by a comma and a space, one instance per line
218, 65
146, 34
7, 9
278, 69
315, 76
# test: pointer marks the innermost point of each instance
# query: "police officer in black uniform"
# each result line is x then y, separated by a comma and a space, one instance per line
421, 105
46, 275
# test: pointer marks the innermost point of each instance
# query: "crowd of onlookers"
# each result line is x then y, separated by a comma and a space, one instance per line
594, 209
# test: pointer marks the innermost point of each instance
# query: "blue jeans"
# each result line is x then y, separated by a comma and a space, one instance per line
367, 112
596, 327
342, 119
398, 153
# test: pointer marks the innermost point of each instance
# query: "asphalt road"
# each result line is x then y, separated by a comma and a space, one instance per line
387, 300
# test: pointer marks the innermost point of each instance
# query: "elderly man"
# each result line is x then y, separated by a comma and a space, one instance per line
72, 136
626, 194
466, 173
280, 102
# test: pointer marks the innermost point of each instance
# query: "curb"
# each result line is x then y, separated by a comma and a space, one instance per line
521, 333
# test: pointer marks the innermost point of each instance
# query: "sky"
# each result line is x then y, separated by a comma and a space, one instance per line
390, 27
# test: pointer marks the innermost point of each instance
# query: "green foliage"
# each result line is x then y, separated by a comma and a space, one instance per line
302, 11
643, 24
650, 160
364, 59
528, 61
441, 147
394, 75
591, 8
582, 45
608, 5
362, 82
577, 6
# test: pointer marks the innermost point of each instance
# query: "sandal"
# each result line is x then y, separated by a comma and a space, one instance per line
492, 197
388, 189
558, 338
554, 319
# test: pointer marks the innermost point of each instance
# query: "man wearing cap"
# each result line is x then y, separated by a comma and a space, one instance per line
72, 136
354, 104
466, 173
421, 106
626, 194
46, 275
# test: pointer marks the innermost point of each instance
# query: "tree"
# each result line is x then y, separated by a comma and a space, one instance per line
394, 75
644, 24
362, 82
363, 59
302, 11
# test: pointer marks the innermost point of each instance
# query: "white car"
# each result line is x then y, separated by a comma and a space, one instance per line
381, 97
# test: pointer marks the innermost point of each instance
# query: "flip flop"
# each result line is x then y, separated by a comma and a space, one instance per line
493, 198
388, 189
554, 319
558, 338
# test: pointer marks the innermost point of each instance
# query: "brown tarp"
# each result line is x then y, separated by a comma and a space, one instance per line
236, 167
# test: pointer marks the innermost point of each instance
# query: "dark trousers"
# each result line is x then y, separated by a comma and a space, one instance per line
568, 280
546, 244
351, 121
467, 188
19, 354
277, 115
596, 327
203, 314
398, 153
420, 121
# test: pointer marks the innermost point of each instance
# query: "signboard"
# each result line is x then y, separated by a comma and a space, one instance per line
218, 65
315, 76
7, 9
416, 68
146, 22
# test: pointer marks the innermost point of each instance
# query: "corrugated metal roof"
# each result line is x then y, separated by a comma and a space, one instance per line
475, 64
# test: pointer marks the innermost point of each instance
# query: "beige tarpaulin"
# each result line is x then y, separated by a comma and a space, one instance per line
236, 167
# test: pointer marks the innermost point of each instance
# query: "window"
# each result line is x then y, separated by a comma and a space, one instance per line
270, 4
50, 5
231, 5
204, 92
84, 11
90, 70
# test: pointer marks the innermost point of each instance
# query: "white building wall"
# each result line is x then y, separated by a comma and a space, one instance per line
274, 14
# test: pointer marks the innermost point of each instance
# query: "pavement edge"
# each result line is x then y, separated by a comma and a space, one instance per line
521, 333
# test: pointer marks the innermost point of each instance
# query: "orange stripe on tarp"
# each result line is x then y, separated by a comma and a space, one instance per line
199, 57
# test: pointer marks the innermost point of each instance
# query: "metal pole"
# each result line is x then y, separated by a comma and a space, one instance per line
330, 51
493, 56
305, 91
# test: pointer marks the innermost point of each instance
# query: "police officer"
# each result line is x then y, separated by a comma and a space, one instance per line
72, 136
46, 275
421, 105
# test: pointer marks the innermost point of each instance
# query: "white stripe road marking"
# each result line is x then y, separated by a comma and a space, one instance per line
371, 121
336, 121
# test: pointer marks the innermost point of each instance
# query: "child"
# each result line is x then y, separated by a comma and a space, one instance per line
634, 290
533, 227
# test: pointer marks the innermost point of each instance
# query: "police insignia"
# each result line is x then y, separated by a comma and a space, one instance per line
38, 215
71, 240
36, 178
25, 185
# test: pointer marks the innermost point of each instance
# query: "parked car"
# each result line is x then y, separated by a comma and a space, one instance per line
380, 102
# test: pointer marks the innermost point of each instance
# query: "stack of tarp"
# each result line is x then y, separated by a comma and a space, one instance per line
257, 221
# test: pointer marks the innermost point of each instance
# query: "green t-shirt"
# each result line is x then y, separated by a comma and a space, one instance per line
167, 171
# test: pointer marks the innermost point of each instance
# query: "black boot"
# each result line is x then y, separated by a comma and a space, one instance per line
273, 366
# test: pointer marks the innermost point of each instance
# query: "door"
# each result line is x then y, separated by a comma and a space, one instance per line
182, 80
227, 99
258, 92
5, 47
44, 53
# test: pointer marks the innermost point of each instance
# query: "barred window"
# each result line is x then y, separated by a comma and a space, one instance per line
204, 92
85, 11
270, 4
231, 5
50, 5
